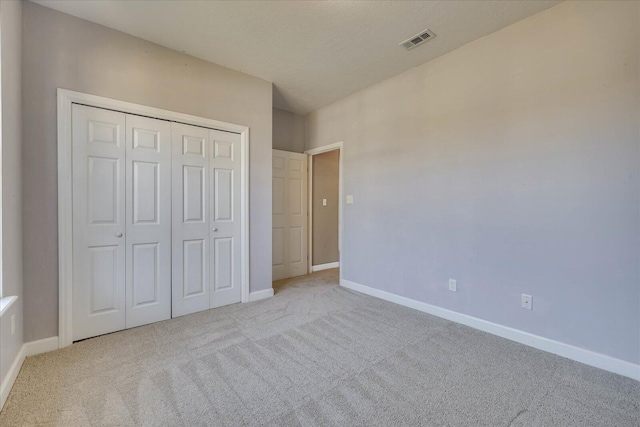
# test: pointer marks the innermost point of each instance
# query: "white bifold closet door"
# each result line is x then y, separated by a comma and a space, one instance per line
121, 221
206, 219
148, 218
290, 220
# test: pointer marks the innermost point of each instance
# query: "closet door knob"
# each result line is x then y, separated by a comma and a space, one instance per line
118, 234
214, 229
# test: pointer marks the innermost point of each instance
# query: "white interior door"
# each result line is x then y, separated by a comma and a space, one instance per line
225, 190
148, 220
98, 140
290, 221
206, 265
191, 223
156, 220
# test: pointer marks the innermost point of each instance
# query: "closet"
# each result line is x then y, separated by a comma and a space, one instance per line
156, 220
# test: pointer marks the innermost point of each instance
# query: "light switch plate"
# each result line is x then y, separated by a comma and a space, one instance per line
324, 202
349, 199
453, 285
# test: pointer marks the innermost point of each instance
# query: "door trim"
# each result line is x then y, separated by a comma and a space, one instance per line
65, 196
312, 152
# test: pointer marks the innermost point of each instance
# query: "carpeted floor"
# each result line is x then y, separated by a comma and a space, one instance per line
315, 354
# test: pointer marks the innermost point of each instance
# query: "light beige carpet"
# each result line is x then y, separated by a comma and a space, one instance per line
315, 354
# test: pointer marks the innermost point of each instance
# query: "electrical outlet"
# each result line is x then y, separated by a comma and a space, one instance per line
349, 199
527, 302
13, 324
324, 202
453, 285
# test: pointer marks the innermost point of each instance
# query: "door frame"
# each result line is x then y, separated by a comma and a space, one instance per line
312, 152
65, 195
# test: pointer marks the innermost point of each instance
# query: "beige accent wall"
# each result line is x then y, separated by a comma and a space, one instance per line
61, 51
326, 173
11, 251
511, 165
288, 131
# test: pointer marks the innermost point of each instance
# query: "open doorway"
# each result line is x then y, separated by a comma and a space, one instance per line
325, 207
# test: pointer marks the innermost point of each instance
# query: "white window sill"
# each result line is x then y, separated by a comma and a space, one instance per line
6, 302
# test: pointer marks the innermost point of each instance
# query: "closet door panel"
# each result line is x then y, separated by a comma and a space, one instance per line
191, 223
98, 151
148, 231
156, 220
225, 190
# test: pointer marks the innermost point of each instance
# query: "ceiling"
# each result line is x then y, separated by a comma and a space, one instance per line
314, 52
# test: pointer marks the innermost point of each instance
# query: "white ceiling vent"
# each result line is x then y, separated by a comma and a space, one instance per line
418, 39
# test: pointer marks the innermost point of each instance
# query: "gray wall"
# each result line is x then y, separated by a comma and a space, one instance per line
288, 131
67, 52
11, 38
326, 173
511, 165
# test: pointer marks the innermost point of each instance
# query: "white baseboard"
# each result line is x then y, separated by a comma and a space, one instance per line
327, 266
581, 355
258, 295
28, 349
40, 346
12, 374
